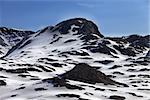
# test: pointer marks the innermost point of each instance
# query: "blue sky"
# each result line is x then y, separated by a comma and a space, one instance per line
113, 17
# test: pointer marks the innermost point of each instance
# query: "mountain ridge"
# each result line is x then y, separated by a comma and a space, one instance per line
66, 59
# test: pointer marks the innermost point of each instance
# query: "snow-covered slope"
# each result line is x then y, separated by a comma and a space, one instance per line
67, 61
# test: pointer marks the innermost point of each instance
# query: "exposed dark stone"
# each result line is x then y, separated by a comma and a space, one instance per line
119, 40
85, 73
142, 62
133, 94
143, 89
115, 66
111, 76
22, 70
88, 93
116, 97
139, 41
105, 42
112, 90
144, 75
148, 54
130, 65
20, 88
101, 48
68, 95
57, 64
132, 70
125, 51
13, 95
105, 61
82, 53
86, 28
144, 69
39, 89
2, 83
136, 41
70, 40
2, 42
132, 75
99, 89
60, 82
57, 39
117, 72
47, 59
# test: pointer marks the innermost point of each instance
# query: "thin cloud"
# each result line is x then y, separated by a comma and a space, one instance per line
86, 5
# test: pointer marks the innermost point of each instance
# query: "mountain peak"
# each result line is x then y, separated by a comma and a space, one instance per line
79, 26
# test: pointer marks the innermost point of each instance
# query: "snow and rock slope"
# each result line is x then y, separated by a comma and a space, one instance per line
73, 60
10, 38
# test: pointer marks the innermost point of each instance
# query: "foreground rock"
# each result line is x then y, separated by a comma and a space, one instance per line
84, 73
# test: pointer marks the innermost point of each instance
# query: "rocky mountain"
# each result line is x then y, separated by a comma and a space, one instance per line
73, 60
11, 37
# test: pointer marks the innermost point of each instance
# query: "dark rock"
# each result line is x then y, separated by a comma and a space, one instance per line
105, 42
2, 83
115, 66
57, 39
125, 51
88, 93
132, 75
132, 70
68, 95
70, 40
101, 48
22, 70
20, 88
45, 68
86, 28
144, 75
116, 97
119, 40
117, 72
105, 61
82, 53
47, 59
39, 89
133, 94
57, 64
111, 76
143, 89
112, 90
136, 41
99, 89
60, 82
141, 62
85, 73
130, 65
144, 69
139, 41
14, 38
147, 57
13, 95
